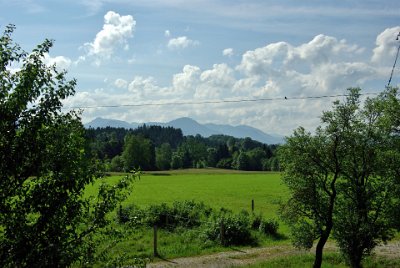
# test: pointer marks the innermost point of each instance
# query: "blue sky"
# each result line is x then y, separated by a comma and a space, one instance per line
156, 51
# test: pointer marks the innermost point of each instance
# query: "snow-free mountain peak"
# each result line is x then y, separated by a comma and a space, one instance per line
192, 127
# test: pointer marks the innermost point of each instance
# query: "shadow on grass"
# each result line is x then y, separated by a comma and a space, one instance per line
165, 259
158, 174
278, 237
237, 249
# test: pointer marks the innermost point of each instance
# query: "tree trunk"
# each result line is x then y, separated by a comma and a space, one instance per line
320, 248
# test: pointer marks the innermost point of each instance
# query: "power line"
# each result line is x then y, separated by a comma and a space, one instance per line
395, 60
214, 101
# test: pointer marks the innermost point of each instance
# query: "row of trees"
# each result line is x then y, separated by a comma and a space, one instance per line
163, 148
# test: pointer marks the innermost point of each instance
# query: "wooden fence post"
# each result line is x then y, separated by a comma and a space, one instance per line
222, 233
252, 205
155, 252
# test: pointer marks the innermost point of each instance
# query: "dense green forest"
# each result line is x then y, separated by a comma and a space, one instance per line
163, 148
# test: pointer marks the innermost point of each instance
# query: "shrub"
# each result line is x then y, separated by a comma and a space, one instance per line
256, 221
269, 227
158, 215
189, 213
131, 214
236, 229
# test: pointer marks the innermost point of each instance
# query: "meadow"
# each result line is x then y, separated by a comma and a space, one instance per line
231, 190
215, 188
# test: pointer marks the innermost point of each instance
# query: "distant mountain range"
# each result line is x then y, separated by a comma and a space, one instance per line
191, 127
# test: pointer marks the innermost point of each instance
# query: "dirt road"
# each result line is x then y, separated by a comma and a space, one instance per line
249, 256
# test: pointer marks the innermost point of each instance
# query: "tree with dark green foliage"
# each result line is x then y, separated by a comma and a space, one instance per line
344, 178
163, 157
160, 135
365, 213
139, 153
44, 219
241, 162
107, 145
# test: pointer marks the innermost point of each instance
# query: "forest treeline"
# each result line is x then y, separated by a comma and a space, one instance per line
164, 148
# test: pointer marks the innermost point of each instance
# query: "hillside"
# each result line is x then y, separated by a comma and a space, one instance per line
192, 127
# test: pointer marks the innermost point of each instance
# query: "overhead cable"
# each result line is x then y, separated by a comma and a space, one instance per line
213, 101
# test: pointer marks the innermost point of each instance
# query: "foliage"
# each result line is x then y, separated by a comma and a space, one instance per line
43, 166
138, 153
269, 227
265, 226
186, 214
343, 178
370, 185
168, 149
191, 214
163, 156
235, 229
160, 135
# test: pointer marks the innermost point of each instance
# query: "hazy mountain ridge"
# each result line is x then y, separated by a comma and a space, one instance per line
192, 127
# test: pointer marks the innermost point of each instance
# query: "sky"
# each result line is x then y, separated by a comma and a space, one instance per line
158, 60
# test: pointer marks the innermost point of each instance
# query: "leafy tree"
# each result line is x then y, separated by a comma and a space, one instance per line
255, 158
249, 144
138, 153
105, 143
340, 178
117, 164
270, 164
225, 163
176, 160
159, 135
194, 150
366, 209
241, 162
163, 157
212, 158
44, 220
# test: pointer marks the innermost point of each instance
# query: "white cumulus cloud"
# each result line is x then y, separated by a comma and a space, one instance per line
228, 52
61, 62
121, 83
116, 31
386, 46
181, 42
324, 65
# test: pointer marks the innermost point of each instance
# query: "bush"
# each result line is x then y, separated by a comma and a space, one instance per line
236, 229
256, 221
187, 214
269, 227
131, 214
158, 215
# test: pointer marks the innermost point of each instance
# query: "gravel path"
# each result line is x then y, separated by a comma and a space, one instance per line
254, 255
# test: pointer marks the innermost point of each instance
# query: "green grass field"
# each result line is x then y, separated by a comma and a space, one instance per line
217, 189
232, 190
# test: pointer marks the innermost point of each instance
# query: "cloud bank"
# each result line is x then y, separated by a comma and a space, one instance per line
324, 65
